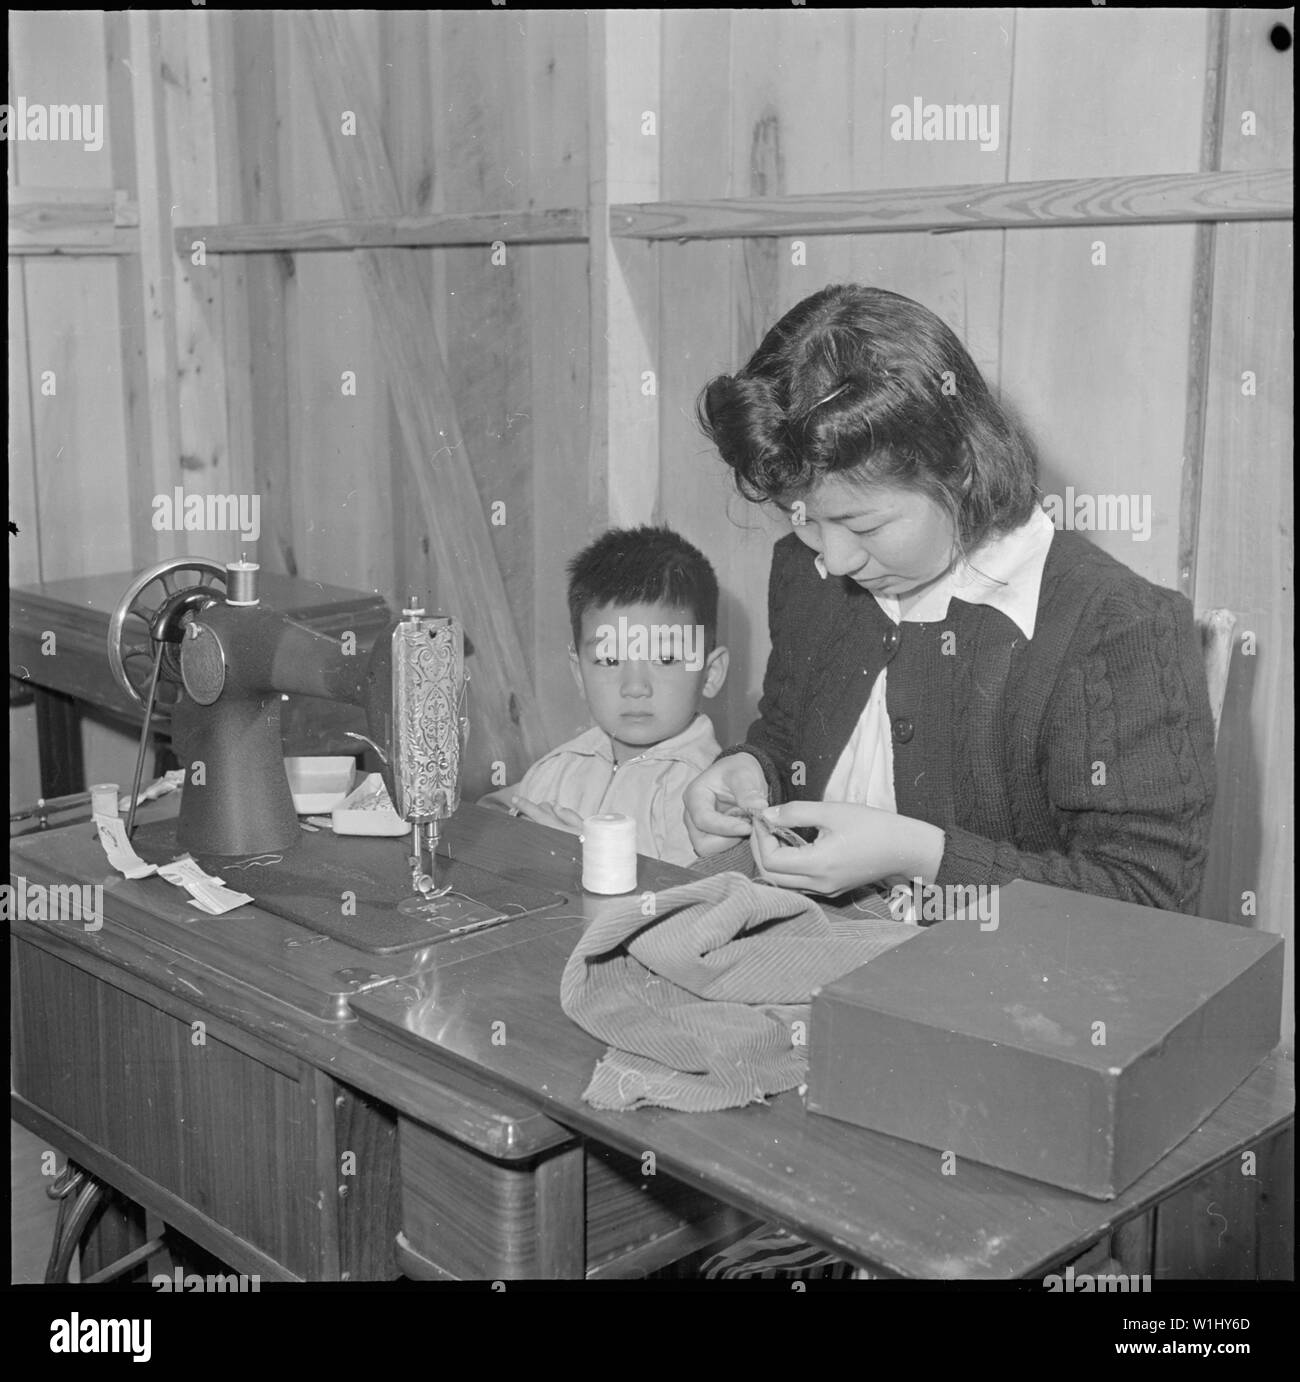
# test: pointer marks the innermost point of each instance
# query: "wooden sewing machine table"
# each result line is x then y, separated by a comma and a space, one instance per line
304, 1110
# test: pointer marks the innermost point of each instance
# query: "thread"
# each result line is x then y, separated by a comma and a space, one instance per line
241, 583
103, 799
260, 860
608, 854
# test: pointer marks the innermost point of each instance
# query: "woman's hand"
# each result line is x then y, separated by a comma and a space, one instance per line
736, 780
856, 845
557, 817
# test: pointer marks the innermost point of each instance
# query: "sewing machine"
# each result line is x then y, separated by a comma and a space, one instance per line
219, 664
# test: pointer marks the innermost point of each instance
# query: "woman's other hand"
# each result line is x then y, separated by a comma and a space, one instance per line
736, 780
855, 845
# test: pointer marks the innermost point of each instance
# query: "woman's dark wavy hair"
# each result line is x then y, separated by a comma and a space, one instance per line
868, 384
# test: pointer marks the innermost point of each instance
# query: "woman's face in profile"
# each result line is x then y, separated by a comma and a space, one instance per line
890, 541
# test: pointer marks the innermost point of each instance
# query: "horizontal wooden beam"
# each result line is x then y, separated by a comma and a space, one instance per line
560, 226
72, 220
102, 221
1155, 199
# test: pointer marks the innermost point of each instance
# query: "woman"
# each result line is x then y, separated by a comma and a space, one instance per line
956, 692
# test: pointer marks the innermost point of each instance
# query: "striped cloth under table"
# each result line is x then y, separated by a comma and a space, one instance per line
774, 1254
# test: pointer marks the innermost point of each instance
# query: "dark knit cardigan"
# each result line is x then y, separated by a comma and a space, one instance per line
1083, 757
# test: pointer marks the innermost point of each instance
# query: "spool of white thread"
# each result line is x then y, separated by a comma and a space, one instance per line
103, 799
608, 854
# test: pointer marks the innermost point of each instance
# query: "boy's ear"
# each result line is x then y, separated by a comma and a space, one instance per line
576, 669
716, 670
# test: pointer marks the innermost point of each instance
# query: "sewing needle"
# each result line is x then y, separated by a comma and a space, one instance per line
475, 926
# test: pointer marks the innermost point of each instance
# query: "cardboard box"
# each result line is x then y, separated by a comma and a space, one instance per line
987, 1043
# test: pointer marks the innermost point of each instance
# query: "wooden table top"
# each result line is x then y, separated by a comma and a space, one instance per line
870, 1197
429, 1027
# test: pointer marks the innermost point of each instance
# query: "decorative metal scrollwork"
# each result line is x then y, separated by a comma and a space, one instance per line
429, 697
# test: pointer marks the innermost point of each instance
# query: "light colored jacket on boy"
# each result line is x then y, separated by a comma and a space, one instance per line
583, 776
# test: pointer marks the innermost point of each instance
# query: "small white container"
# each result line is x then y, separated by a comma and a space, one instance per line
369, 811
319, 784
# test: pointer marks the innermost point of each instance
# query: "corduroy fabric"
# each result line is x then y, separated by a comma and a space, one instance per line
1082, 758
698, 1002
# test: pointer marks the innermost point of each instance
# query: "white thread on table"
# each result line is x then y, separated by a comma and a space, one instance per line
608, 854
260, 860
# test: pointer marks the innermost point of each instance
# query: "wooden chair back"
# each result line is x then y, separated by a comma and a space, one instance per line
1218, 628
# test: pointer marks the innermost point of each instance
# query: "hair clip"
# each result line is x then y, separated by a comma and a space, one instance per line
834, 393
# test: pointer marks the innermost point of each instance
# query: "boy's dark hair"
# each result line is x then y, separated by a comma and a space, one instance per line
858, 379
631, 566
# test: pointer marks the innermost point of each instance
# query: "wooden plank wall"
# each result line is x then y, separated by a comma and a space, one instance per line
239, 384
72, 461
337, 473
760, 104
478, 112
478, 115
805, 109
67, 457
1246, 534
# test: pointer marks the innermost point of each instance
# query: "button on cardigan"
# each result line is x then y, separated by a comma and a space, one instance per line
1082, 757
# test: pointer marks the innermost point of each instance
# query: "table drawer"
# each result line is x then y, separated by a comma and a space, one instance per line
579, 1210
170, 1096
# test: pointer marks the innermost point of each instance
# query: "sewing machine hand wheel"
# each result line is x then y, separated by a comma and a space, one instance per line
131, 629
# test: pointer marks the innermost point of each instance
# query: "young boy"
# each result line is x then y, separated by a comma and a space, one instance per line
643, 606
